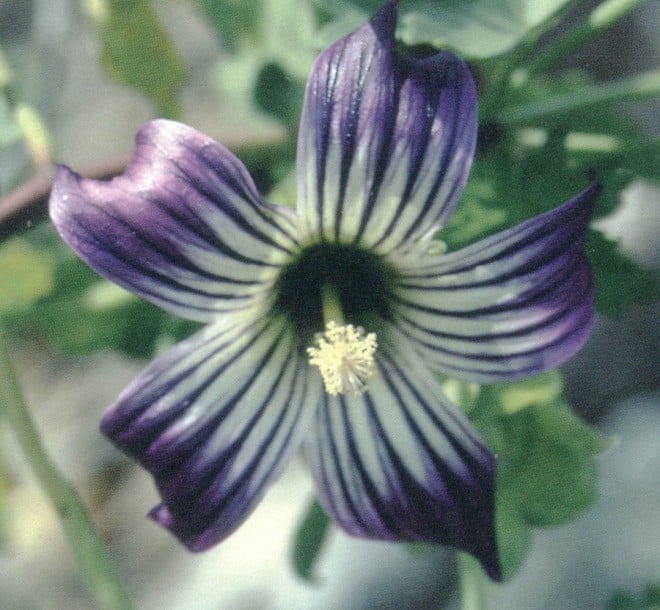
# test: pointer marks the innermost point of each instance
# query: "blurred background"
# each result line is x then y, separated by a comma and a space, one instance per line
78, 78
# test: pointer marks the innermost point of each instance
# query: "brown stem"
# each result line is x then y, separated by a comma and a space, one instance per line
27, 204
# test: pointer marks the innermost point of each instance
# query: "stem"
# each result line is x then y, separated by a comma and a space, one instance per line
26, 205
470, 583
88, 550
637, 87
602, 17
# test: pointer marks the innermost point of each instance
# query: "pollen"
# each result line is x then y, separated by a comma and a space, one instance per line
345, 357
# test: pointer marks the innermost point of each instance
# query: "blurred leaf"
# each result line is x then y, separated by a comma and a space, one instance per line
14, 157
474, 28
649, 600
574, 34
523, 171
267, 71
477, 28
76, 311
9, 131
36, 135
514, 536
619, 281
134, 327
6, 488
279, 94
27, 275
308, 540
539, 165
138, 53
476, 215
462, 393
6, 73
76, 328
556, 478
236, 79
294, 48
543, 388
546, 473
235, 21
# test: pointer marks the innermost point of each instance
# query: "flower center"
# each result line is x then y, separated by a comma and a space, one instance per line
344, 290
361, 282
345, 357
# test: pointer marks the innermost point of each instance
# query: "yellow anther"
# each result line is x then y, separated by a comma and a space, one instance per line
345, 357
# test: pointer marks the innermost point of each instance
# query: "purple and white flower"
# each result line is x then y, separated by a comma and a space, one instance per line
384, 150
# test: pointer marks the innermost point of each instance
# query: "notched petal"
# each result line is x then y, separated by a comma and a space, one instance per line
385, 142
183, 226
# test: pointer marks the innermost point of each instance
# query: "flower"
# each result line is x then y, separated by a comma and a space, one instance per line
326, 326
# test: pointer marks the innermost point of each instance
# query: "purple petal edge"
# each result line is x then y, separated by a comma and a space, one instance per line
214, 420
183, 226
401, 463
508, 306
385, 142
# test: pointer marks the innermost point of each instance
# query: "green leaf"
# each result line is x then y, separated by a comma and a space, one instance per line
514, 537
80, 313
622, 600
278, 94
6, 72
476, 215
474, 28
520, 172
265, 28
14, 157
6, 488
546, 473
543, 388
27, 275
294, 48
138, 52
620, 282
77, 326
556, 479
308, 541
234, 21
267, 71
9, 131
547, 161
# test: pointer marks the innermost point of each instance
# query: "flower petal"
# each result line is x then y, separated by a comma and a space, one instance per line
214, 420
401, 463
511, 305
385, 142
183, 226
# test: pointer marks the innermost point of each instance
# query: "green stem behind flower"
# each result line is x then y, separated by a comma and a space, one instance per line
471, 583
88, 549
601, 18
520, 62
638, 87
